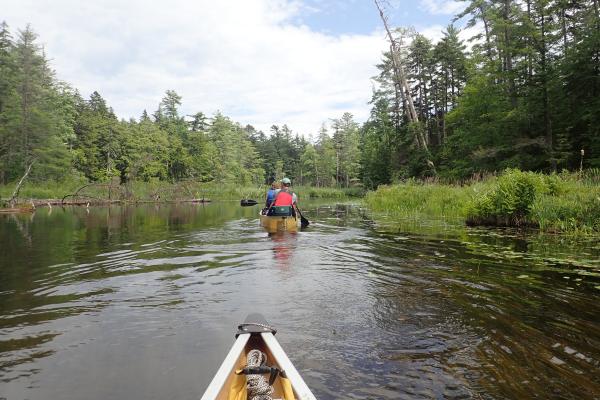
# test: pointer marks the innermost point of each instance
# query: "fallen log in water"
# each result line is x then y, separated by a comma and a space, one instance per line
193, 201
16, 210
78, 202
35, 203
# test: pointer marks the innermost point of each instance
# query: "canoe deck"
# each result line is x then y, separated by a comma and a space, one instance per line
254, 343
227, 384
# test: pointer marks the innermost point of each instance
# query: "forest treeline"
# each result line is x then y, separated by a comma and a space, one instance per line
48, 123
524, 93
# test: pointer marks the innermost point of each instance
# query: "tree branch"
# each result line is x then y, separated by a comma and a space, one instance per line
15, 194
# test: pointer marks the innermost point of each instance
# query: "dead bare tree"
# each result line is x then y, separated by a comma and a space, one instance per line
15, 195
400, 77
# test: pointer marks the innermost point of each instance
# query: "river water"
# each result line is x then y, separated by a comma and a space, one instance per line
142, 302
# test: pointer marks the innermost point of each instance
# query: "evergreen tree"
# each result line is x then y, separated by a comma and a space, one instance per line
375, 145
327, 158
346, 144
98, 145
9, 108
34, 111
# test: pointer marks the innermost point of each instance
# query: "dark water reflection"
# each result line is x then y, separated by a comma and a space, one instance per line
140, 303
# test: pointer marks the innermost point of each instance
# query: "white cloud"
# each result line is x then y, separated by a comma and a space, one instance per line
434, 32
468, 33
246, 58
450, 7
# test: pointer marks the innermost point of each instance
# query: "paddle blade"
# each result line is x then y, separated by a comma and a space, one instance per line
304, 222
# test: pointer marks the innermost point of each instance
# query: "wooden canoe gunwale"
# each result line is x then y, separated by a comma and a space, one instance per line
301, 390
219, 387
225, 372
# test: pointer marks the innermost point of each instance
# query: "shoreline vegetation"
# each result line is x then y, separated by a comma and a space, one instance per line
558, 203
34, 194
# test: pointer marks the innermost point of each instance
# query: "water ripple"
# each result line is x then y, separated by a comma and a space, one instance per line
146, 299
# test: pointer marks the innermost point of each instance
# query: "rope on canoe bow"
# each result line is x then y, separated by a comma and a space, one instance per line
258, 387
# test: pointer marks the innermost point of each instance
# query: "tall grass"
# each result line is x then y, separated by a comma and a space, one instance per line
561, 203
414, 200
576, 208
568, 202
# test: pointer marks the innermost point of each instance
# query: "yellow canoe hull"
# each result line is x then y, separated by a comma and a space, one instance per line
255, 334
279, 224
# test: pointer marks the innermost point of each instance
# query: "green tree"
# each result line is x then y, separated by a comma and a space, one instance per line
35, 111
346, 145
99, 145
310, 165
375, 144
147, 156
327, 159
238, 160
10, 163
450, 62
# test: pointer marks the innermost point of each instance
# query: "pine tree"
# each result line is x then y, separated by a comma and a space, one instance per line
420, 71
327, 158
9, 108
375, 146
99, 144
346, 144
450, 62
35, 109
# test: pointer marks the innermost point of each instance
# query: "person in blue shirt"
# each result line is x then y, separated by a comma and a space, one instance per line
271, 194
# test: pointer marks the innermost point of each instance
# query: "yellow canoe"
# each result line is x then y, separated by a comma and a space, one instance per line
278, 224
232, 379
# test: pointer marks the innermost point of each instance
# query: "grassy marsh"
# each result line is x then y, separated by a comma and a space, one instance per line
567, 202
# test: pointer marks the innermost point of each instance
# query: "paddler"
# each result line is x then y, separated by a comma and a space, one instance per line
271, 194
284, 198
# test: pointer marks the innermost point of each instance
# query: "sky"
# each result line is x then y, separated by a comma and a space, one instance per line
260, 62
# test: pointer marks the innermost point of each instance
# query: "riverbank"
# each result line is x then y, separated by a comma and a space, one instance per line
78, 192
563, 203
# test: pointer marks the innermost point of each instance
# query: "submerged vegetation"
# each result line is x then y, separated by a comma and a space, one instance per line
565, 202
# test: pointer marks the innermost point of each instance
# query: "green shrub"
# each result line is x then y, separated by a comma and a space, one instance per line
509, 202
567, 202
552, 202
554, 185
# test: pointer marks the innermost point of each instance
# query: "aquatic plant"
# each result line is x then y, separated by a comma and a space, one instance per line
509, 202
414, 200
565, 202
562, 203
